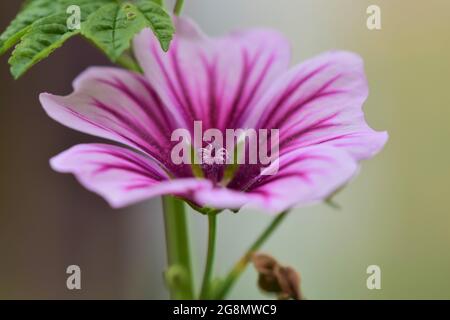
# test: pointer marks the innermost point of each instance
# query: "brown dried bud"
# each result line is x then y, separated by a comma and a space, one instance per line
275, 278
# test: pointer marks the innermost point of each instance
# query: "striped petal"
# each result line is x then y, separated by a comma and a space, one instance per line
118, 105
237, 81
303, 176
215, 80
320, 102
122, 177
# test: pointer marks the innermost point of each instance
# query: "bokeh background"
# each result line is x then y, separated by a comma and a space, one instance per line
396, 214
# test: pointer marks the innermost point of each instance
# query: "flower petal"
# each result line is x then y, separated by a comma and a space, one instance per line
118, 105
122, 177
320, 102
212, 79
304, 176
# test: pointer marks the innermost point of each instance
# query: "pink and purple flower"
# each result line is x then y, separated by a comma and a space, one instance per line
242, 80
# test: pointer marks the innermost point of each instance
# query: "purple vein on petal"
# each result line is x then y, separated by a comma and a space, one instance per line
270, 179
298, 106
106, 167
259, 180
141, 185
162, 162
186, 115
107, 129
213, 110
252, 94
133, 126
318, 125
181, 81
140, 102
163, 112
242, 83
146, 170
269, 113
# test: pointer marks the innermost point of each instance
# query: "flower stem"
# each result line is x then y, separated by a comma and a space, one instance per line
177, 241
240, 266
178, 7
212, 220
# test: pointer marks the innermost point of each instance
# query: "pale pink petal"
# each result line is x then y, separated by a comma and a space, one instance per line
237, 81
304, 176
118, 105
212, 79
320, 102
121, 176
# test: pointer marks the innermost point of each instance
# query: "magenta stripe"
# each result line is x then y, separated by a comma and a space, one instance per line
103, 167
187, 117
181, 81
161, 108
336, 138
243, 79
270, 179
318, 125
136, 186
213, 110
272, 111
140, 102
84, 118
141, 132
298, 106
253, 93
264, 193
134, 160
158, 157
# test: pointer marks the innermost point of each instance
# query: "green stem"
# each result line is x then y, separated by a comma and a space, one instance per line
240, 266
178, 7
206, 285
177, 241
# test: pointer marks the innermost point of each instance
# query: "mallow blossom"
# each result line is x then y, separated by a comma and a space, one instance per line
241, 80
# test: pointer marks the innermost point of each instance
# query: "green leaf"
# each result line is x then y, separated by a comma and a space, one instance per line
40, 41
34, 10
42, 26
31, 11
158, 20
112, 28
87, 6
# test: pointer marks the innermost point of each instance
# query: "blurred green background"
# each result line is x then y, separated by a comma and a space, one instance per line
395, 214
